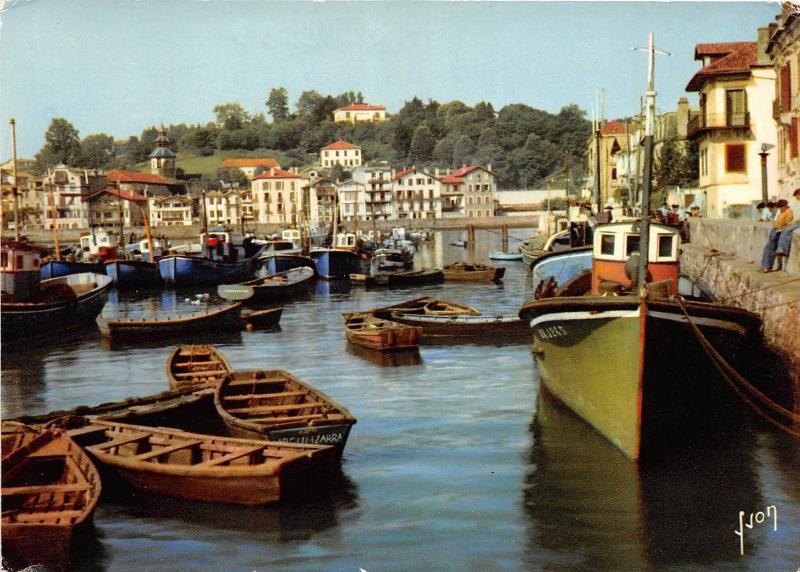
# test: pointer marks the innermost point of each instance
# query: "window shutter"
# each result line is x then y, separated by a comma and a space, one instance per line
786, 88
793, 147
735, 158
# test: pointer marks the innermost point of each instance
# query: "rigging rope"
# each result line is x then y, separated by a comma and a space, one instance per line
732, 377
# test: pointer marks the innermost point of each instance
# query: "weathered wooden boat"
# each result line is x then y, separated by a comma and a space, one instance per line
387, 258
425, 305
642, 400
469, 328
277, 406
133, 274
200, 467
31, 306
369, 281
49, 488
464, 272
278, 262
261, 319
272, 288
500, 255
336, 264
196, 365
416, 277
214, 320
184, 270
364, 329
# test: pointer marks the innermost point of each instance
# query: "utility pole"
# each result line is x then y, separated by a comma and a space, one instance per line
14, 187
630, 187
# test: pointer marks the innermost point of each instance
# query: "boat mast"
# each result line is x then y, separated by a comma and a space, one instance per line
149, 235
650, 113
54, 214
14, 187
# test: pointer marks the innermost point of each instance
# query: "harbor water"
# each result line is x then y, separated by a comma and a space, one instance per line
457, 462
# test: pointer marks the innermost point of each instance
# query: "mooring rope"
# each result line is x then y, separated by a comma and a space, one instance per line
732, 377
495, 232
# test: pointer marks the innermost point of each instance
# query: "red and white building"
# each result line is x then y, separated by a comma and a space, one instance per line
359, 112
417, 194
468, 192
340, 153
278, 197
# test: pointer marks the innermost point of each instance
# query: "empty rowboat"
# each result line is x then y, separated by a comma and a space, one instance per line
50, 489
426, 305
196, 365
212, 321
201, 467
277, 406
463, 272
364, 329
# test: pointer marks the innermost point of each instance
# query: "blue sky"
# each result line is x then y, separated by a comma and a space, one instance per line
118, 66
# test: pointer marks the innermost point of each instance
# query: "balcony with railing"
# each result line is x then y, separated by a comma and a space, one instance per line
717, 122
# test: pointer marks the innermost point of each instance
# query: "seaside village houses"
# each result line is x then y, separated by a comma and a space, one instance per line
359, 112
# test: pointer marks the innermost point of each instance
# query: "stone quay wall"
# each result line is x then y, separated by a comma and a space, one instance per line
725, 255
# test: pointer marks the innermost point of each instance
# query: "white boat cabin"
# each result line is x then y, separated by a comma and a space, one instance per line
345, 241
20, 265
98, 241
292, 235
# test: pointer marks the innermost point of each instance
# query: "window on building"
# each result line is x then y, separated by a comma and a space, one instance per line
607, 244
665, 246
786, 87
735, 159
735, 107
793, 132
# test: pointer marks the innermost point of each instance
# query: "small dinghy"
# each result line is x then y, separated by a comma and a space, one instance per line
364, 329
195, 366
463, 272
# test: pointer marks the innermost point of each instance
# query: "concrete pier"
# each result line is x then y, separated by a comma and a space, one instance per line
725, 255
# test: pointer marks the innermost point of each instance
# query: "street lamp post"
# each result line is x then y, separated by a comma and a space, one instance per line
765, 147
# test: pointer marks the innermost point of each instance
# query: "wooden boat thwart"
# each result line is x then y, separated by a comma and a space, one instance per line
224, 318
201, 467
471, 328
364, 329
196, 365
277, 406
50, 488
425, 305
463, 272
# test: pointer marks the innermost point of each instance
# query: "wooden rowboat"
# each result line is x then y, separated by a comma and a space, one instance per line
275, 287
364, 329
196, 365
277, 406
469, 328
463, 272
425, 305
209, 322
50, 489
261, 319
201, 467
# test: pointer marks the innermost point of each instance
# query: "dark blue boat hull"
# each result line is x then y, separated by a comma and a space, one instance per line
190, 270
24, 320
282, 262
56, 268
335, 264
133, 274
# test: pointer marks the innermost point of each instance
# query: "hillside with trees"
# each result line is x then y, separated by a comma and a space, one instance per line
522, 144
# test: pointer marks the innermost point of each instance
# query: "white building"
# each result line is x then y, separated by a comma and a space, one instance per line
175, 210
65, 197
223, 208
377, 180
469, 191
417, 194
340, 153
277, 196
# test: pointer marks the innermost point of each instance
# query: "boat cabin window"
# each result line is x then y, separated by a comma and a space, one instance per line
4, 259
631, 244
665, 242
607, 244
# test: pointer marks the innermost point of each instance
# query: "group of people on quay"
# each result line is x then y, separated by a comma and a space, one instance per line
785, 218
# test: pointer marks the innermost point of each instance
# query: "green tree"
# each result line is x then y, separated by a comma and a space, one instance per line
97, 150
62, 145
231, 116
278, 104
308, 102
443, 152
463, 151
422, 144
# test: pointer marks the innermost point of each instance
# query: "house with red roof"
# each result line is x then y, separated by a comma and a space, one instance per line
173, 210
146, 184
250, 166
110, 205
736, 87
277, 197
359, 112
417, 194
66, 191
468, 192
340, 153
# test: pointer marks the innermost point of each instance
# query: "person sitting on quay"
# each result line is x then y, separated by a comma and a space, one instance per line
761, 212
781, 222
785, 239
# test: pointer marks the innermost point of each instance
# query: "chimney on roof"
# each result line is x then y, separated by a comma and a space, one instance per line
764, 58
489, 167
272, 171
683, 117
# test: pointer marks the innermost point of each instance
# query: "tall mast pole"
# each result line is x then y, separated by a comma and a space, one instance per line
54, 214
644, 240
14, 187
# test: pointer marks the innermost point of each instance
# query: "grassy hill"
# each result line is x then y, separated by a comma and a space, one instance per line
193, 163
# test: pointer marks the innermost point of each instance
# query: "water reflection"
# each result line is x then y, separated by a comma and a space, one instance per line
228, 338
386, 359
591, 507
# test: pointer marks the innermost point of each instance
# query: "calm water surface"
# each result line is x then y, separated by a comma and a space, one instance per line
456, 463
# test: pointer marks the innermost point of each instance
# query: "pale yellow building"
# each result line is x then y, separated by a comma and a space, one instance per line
359, 112
340, 153
736, 87
66, 189
175, 210
277, 197
417, 194
249, 166
784, 48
